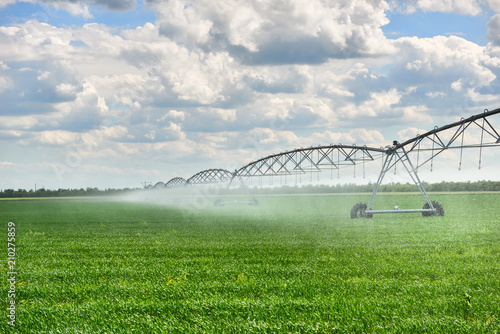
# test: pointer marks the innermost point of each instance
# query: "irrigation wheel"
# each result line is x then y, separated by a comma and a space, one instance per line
358, 211
439, 209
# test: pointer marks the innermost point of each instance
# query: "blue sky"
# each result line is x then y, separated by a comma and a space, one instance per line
24, 11
109, 94
421, 24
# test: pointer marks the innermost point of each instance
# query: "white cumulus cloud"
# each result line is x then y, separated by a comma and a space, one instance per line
272, 31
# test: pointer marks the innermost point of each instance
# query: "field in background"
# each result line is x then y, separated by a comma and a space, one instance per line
292, 264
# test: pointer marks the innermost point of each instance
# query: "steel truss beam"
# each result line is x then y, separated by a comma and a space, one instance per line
438, 143
452, 136
159, 185
311, 159
176, 182
210, 176
457, 135
399, 156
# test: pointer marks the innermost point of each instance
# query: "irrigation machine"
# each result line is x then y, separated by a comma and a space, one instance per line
473, 132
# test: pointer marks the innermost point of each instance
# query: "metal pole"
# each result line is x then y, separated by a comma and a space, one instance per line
405, 160
385, 168
414, 176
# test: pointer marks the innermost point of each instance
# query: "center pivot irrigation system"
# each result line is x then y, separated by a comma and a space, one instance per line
473, 132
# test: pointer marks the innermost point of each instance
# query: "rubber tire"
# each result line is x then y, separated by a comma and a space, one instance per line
439, 209
358, 211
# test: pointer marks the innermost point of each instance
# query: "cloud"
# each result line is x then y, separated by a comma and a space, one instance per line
377, 105
193, 77
75, 8
85, 111
214, 84
493, 27
268, 137
82, 7
494, 5
18, 122
4, 3
151, 133
441, 58
172, 114
292, 79
372, 138
56, 137
462, 7
452, 66
209, 119
356, 83
34, 40
276, 32
458, 6
202, 82
6, 83
410, 133
120, 5
43, 83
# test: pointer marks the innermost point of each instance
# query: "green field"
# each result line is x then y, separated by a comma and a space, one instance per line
291, 265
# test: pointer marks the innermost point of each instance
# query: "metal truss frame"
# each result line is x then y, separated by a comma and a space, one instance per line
176, 182
439, 144
435, 142
159, 185
399, 156
210, 176
399, 153
311, 159
314, 159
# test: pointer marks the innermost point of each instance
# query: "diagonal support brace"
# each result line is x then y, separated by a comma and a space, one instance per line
391, 159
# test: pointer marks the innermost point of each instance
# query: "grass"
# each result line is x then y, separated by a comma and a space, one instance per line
292, 264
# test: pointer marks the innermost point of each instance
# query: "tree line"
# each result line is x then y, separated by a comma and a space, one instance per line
390, 187
42, 192
283, 189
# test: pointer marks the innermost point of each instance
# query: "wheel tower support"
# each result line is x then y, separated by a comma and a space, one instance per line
399, 155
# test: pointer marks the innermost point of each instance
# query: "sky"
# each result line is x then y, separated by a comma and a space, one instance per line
114, 93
